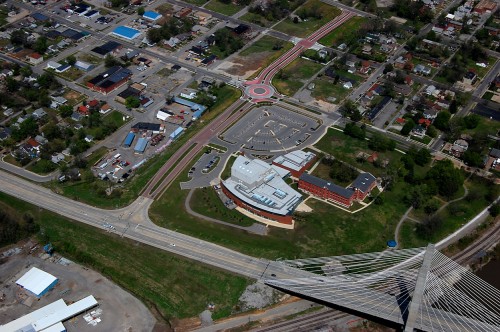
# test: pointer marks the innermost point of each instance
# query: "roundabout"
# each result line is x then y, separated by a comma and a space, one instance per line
259, 91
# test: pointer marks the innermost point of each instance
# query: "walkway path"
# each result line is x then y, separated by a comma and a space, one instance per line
255, 228
405, 216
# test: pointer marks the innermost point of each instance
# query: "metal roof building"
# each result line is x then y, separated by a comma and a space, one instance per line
50, 317
141, 145
260, 189
176, 133
129, 139
152, 16
37, 281
296, 161
126, 32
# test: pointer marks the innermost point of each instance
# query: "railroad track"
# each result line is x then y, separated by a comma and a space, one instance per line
306, 322
484, 242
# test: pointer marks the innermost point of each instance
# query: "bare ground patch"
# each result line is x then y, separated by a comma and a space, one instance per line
245, 66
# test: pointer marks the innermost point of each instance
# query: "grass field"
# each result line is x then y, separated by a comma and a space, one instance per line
197, 2
296, 73
175, 286
346, 148
265, 45
324, 88
85, 189
257, 19
305, 28
344, 33
71, 74
42, 167
223, 8
454, 216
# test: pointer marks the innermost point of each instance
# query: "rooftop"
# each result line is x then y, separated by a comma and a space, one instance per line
295, 160
261, 185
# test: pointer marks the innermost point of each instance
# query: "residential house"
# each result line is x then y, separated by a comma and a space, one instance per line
105, 109
421, 69
365, 67
40, 139
430, 114
469, 78
34, 58
347, 85
367, 49
419, 131
39, 114
408, 80
89, 138
350, 60
459, 147
84, 66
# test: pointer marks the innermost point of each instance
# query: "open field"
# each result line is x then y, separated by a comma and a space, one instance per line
305, 28
85, 189
324, 89
344, 33
71, 74
258, 55
295, 75
223, 8
173, 286
257, 19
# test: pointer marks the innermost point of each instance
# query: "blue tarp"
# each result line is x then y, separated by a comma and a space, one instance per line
129, 139
176, 133
392, 244
141, 145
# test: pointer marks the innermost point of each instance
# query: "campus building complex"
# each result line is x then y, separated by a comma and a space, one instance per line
320, 188
260, 189
295, 162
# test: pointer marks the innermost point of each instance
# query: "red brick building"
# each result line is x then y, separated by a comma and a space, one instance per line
110, 80
358, 191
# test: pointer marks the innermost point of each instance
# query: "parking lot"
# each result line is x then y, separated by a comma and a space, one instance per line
271, 128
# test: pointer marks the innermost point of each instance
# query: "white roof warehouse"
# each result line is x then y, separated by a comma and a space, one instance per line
37, 281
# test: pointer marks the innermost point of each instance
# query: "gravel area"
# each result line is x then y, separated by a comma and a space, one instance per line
258, 296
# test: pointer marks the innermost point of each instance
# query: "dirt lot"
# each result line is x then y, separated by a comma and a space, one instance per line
241, 66
120, 310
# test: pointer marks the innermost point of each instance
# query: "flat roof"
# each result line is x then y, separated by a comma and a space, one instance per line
36, 280
260, 185
106, 48
151, 15
126, 32
295, 160
68, 312
26, 320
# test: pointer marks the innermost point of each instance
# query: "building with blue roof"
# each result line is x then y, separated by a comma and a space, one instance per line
141, 145
152, 16
176, 133
129, 139
196, 108
126, 32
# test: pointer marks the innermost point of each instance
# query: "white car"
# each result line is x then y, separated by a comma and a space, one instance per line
481, 64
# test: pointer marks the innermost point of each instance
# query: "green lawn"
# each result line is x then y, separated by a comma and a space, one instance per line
257, 19
206, 201
85, 190
346, 148
42, 167
176, 287
296, 73
11, 160
71, 74
223, 8
344, 33
305, 28
89, 58
324, 88
454, 216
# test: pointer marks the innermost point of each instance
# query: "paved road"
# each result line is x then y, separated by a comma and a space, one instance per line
27, 174
182, 157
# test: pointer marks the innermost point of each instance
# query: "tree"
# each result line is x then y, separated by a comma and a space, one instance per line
18, 37
132, 102
71, 60
380, 143
447, 178
494, 210
28, 127
407, 128
442, 121
431, 131
65, 111
25, 71
41, 45
352, 130
11, 84
453, 107
471, 121
472, 158
140, 11
111, 61
423, 157
388, 68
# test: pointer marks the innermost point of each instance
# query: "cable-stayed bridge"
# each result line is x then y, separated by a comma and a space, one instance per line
413, 289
